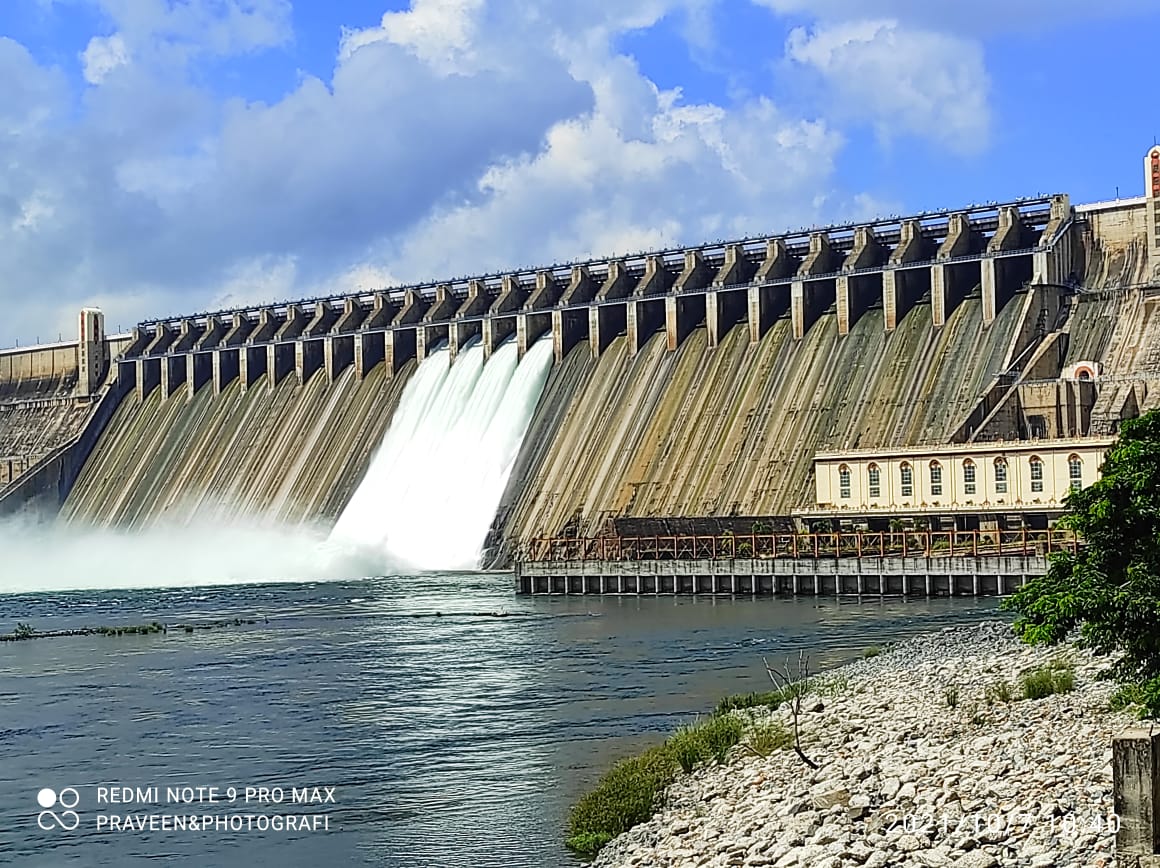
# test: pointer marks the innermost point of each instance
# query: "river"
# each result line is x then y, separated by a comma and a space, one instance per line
454, 721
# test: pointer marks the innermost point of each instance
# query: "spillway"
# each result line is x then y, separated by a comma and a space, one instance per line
428, 499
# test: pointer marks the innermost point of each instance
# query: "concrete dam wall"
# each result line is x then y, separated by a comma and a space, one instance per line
693, 382
733, 430
288, 453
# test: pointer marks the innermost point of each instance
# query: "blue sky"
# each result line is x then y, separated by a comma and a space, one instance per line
169, 156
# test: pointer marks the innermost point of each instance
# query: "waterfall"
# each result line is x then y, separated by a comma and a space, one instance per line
432, 489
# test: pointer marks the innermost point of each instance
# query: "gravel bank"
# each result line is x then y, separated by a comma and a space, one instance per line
905, 779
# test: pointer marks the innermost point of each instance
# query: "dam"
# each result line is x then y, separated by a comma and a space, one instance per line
952, 372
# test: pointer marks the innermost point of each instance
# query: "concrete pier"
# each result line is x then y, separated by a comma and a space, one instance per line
684, 312
606, 321
766, 304
435, 326
950, 282
645, 313
856, 292
501, 321
467, 323
809, 298
903, 287
570, 325
530, 327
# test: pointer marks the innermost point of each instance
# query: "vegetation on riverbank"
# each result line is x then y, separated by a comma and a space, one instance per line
1110, 588
630, 792
24, 632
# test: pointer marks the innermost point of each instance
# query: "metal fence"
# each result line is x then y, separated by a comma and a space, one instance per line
860, 544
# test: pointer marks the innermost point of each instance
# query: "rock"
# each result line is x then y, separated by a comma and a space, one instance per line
890, 788
977, 859
830, 798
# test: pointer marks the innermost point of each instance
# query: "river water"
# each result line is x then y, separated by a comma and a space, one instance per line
454, 721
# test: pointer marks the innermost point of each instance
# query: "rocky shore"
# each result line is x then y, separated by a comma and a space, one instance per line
925, 760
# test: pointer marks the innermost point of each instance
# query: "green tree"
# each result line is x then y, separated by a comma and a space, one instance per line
1110, 589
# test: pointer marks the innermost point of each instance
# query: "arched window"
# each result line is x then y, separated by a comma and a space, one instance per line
1075, 472
907, 488
874, 478
1036, 473
1000, 475
969, 476
935, 479
844, 482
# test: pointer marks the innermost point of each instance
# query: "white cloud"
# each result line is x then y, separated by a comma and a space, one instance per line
102, 55
454, 137
904, 80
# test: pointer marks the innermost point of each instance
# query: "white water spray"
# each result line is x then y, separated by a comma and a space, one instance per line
433, 487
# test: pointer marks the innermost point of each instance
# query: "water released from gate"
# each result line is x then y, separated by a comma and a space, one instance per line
431, 492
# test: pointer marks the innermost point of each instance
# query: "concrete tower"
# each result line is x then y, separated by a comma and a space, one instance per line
90, 351
1152, 194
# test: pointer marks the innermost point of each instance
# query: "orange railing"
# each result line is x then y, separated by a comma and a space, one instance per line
854, 544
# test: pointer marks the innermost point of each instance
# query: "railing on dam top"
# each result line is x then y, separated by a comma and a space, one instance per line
859, 544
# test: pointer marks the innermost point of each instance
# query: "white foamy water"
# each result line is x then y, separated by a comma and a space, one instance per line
429, 497
45, 558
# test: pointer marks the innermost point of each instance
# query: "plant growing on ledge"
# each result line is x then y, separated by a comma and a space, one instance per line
1110, 588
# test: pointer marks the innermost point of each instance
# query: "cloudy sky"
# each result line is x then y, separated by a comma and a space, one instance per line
170, 156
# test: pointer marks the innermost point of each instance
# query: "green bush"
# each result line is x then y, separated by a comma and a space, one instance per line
872, 651
1129, 697
951, 696
1055, 677
769, 737
706, 740
772, 699
1000, 691
624, 797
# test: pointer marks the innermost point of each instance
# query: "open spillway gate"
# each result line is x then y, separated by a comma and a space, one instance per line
938, 255
860, 564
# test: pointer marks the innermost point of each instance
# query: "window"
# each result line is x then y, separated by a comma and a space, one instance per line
1036, 475
1075, 472
874, 477
1000, 476
907, 481
935, 479
844, 482
969, 476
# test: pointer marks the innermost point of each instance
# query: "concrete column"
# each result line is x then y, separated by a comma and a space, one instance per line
737, 268
436, 322
946, 290
281, 355
497, 328
148, 377
723, 310
807, 298
570, 324
92, 356
215, 331
996, 291
853, 291
1055, 261
226, 366
1152, 206
763, 308
683, 313
529, 326
902, 288
475, 305
253, 360
338, 346
402, 341
643, 314
370, 340
1136, 794
607, 320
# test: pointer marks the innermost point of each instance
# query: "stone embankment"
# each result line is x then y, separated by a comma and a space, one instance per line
925, 760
